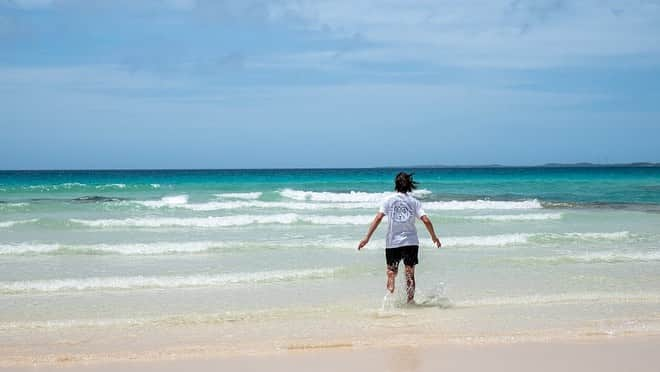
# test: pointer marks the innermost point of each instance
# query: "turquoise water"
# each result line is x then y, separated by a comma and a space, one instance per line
269, 256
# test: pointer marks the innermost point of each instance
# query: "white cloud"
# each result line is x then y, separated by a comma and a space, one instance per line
493, 33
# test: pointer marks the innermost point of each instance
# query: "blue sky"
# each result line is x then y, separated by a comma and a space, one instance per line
347, 83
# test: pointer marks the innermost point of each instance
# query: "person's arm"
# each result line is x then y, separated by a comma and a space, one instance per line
372, 228
429, 227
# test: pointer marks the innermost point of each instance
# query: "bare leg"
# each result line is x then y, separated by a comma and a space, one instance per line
391, 275
410, 283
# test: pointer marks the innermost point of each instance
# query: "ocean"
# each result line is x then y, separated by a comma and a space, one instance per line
104, 263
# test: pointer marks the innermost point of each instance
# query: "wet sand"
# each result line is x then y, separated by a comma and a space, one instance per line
599, 354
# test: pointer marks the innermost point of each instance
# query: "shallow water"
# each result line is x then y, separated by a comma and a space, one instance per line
269, 257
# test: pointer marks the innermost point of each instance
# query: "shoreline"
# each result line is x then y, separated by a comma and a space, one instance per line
599, 352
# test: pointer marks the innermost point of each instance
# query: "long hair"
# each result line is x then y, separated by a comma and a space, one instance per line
403, 182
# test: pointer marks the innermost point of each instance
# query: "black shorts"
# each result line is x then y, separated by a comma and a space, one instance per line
407, 253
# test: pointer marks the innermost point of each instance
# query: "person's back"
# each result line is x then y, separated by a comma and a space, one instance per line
402, 210
401, 242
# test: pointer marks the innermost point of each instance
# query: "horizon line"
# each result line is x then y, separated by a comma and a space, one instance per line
641, 164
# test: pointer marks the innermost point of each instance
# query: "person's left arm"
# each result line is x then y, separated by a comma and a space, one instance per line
427, 223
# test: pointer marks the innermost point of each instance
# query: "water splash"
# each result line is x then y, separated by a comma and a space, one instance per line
435, 297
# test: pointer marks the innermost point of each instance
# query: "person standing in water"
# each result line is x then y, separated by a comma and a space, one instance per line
402, 242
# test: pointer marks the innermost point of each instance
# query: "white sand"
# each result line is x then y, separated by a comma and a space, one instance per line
598, 354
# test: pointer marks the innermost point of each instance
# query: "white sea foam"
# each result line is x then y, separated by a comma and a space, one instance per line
345, 197
12, 205
14, 223
518, 217
22, 248
240, 195
139, 282
112, 186
155, 248
600, 235
527, 238
594, 257
181, 201
486, 240
225, 221
155, 185
589, 236
337, 220
189, 247
252, 204
564, 298
167, 201
482, 204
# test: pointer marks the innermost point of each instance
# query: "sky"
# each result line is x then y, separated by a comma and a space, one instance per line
348, 83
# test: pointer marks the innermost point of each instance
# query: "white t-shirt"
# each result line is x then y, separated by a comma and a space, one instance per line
401, 210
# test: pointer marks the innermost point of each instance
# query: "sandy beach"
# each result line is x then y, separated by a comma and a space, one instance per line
597, 354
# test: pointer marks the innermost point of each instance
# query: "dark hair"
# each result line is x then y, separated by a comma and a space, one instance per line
404, 182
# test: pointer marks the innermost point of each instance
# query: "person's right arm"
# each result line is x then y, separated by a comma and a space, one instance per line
429, 226
372, 228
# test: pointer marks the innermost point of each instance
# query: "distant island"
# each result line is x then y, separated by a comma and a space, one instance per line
546, 165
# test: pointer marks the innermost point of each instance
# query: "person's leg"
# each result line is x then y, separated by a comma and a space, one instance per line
410, 259
410, 283
391, 276
392, 257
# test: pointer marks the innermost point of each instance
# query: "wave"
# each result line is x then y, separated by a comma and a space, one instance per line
167, 201
165, 319
112, 186
594, 257
226, 221
527, 238
482, 204
192, 247
486, 240
8, 206
156, 248
518, 217
586, 236
14, 223
144, 282
240, 195
346, 197
249, 201
564, 298
249, 204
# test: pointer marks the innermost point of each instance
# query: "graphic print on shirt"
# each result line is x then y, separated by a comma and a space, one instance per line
401, 212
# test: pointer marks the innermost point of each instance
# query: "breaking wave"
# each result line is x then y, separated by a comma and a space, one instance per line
308, 200
20, 222
225, 221
594, 257
143, 282
564, 298
342, 197
191, 247
156, 248
482, 204
518, 217
240, 195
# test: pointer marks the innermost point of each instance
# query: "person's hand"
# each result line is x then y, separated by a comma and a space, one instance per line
362, 243
437, 243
